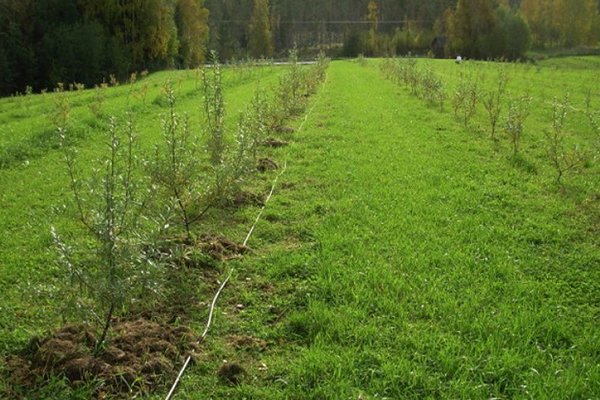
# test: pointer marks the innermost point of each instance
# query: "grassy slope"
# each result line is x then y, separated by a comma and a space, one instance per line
413, 259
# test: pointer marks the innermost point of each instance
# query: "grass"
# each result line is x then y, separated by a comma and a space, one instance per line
402, 256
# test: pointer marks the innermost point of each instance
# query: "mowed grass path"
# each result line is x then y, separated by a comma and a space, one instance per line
410, 260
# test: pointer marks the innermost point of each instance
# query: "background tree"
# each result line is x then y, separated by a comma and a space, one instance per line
260, 36
473, 20
192, 27
575, 20
562, 22
510, 37
373, 19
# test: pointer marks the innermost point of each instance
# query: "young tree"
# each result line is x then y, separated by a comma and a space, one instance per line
260, 36
109, 266
562, 158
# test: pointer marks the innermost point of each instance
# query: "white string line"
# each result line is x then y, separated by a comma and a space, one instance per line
216, 297
265, 205
208, 324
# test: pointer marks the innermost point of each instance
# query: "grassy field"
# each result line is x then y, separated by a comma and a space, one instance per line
402, 255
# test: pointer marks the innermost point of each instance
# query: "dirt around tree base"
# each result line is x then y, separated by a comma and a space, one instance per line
248, 198
283, 129
266, 164
139, 356
274, 143
221, 248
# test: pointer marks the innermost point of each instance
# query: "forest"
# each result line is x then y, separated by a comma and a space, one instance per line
45, 42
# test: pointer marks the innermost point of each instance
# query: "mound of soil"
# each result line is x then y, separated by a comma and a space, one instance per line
266, 164
284, 129
274, 143
248, 198
247, 343
140, 355
231, 373
221, 248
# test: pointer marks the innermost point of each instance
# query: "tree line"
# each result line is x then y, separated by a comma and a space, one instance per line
43, 42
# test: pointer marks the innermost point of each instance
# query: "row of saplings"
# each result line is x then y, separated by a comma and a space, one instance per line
563, 156
138, 217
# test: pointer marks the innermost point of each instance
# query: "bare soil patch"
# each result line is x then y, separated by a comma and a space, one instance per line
284, 129
139, 356
221, 248
274, 143
266, 164
248, 198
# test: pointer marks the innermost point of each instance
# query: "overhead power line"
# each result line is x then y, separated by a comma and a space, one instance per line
342, 22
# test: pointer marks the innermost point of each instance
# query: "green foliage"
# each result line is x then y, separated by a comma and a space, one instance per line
61, 109
478, 286
466, 97
74, 53
85, 41
423, 83
214, 109
493, 100
432, 88
472, 21
111, 267
192, 28
289, 94
593, 117
96, 107
352, 45
176, 170
510, 38
552, 22
563, 157
260, 37
253, 125
514, 125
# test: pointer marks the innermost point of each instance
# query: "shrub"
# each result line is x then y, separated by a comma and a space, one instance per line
110, 265
518, 111
257, 122
561, 157
97, 106
176, 169
466, 97
214, 107
61, 109
493, 99
289, 94
432, 88
594, 120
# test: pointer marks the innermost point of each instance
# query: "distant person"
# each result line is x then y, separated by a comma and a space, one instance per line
458, 59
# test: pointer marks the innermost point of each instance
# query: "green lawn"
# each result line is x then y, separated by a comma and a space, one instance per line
402, 255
